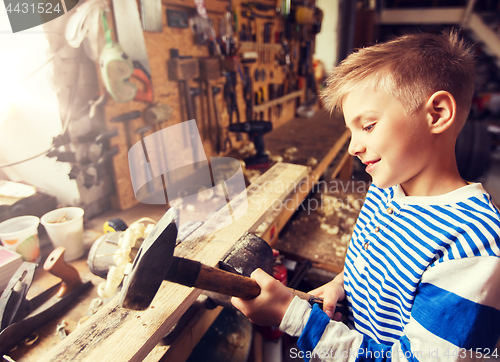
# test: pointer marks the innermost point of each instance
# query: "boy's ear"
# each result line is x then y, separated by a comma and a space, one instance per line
441, 110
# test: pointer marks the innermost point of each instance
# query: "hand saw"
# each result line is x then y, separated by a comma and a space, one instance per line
131, 38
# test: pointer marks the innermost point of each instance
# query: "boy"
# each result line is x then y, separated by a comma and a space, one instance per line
421, 272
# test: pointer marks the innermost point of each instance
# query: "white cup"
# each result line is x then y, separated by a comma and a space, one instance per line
21, 235
65, 228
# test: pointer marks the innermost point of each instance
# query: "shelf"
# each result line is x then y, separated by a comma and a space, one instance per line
422, 16
252, 46
485, 34
264, 106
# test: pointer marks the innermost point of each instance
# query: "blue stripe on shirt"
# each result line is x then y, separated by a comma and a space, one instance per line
464, 234
436, 310
490, 230
314, 329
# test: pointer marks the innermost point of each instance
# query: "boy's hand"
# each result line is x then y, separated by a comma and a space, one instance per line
332, 292
269, 307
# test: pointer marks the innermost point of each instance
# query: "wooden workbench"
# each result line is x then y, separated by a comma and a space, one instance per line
320, 137
320, 143
321, 230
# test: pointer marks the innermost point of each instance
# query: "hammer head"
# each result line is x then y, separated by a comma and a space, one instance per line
150, 264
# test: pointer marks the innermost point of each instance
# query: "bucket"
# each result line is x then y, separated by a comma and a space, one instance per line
65, 228
21, 235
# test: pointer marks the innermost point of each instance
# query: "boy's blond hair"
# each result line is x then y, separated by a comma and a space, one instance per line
410, 68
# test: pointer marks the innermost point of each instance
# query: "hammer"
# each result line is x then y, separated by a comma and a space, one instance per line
155, 262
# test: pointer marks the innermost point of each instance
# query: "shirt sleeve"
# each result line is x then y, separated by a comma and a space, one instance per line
455, 317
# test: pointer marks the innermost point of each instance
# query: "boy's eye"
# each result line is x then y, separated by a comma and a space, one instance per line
369, 127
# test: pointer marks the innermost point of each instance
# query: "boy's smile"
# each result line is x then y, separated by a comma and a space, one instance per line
394, 147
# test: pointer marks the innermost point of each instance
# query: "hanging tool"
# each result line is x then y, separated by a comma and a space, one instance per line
230, 67
156, 115
125, 119
306, 71
267, 40
194, 93
247, 93
182, 70
220, 146
20, 317
231, 101
209, 71
260, 98
117, 68
131, 38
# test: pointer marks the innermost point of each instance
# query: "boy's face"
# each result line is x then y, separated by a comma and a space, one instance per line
394, 147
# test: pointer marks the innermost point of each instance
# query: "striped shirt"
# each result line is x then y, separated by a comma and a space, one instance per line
421, 281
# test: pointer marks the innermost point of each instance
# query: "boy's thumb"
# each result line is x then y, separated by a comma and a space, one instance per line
258, 274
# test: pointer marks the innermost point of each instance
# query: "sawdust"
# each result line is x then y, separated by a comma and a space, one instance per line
322, 227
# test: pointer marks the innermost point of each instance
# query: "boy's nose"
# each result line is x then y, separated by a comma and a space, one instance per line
355, 147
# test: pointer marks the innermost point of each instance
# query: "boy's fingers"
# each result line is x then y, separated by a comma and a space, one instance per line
330, 302
237, 302
259, 274
318, 292
261, 277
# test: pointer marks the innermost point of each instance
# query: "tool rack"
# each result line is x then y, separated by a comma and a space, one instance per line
166, 88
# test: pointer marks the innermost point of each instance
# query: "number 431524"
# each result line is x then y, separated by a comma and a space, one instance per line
47, 8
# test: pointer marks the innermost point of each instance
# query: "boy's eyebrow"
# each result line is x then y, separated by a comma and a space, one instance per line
366, 114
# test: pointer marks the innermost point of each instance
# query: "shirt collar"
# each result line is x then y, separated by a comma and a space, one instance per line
461, 194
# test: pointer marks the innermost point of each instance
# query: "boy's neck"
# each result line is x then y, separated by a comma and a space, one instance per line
440, 177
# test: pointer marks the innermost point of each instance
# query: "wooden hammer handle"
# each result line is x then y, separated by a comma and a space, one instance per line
221, 281
195, 274
56, 265
192, 273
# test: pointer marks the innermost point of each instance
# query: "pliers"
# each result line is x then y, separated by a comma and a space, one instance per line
20, 317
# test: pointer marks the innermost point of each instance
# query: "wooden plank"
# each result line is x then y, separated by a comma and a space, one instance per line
116, 333
422, 16
281, 100
181, 348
